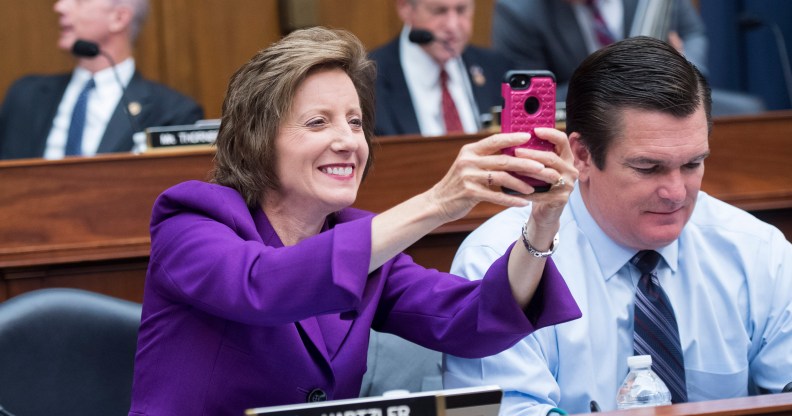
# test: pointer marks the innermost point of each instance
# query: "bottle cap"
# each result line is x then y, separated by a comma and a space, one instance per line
639, 361
396, 393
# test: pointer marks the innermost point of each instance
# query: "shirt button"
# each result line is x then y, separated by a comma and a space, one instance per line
317, 395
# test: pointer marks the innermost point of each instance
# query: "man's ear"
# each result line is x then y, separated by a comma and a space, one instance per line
121, 18
405, 8
583, 162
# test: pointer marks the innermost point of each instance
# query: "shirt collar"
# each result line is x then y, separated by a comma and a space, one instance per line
105, 77
610, 255
423, 67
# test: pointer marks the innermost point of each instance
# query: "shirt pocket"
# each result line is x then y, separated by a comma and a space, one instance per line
710, 385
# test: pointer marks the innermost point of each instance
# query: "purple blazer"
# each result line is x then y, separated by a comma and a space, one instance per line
232, 319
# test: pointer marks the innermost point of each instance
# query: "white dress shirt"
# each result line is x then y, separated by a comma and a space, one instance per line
422, 74
102, 103
729, 280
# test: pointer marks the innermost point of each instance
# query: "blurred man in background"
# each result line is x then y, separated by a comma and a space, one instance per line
82, 112
430, 81
558, 34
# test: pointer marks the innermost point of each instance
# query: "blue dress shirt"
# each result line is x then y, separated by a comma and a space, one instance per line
729, 279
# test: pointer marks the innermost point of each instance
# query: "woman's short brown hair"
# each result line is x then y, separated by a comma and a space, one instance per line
260, 95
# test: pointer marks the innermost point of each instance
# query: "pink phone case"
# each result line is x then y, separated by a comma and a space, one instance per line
528, 102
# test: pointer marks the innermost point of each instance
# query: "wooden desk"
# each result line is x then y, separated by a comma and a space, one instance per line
84, 222
767, 405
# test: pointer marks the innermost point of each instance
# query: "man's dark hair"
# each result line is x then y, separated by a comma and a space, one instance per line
637, 73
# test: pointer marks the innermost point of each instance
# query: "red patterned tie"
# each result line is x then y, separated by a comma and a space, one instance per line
450, 114
604, 35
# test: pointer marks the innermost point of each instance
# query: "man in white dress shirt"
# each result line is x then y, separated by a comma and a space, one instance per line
639, 118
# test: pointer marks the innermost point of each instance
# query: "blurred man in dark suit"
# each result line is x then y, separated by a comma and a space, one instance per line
558, 34
439, 87
82, 112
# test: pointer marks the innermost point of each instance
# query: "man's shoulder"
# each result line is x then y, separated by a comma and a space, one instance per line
716, 216
712, 210
499, 231
488, 242
34, 81
43, 78
481, 52
164, 105
524, 9
385, 52
28, 97
161, 91
488, 58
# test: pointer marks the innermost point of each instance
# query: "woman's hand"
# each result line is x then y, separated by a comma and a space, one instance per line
477, 174
480, 170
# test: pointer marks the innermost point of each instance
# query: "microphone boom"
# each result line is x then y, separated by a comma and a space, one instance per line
88, 49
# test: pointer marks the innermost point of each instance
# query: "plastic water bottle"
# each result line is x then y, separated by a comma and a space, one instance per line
140, 142
642, 387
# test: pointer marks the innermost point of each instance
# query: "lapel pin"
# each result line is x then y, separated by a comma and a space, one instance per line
134, 108
477, 75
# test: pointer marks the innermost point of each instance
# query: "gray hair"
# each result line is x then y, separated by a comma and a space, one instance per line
140, 10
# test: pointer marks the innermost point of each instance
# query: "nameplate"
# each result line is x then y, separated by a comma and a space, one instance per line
407, 406
181, 137
478, 400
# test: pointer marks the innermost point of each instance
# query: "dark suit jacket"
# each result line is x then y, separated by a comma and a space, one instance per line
544, 34
395, 111
32, 102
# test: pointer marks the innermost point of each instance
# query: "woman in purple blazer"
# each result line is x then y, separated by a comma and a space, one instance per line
263, 285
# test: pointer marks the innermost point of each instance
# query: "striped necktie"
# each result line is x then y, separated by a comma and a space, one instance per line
77, 125
450, 114
604, 35
655, 326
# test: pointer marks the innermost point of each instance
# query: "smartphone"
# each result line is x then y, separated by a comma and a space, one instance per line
529, 101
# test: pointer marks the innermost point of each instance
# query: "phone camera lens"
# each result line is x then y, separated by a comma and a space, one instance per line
519, 82
532, 105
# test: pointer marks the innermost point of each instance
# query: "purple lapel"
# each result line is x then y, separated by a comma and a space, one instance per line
326, 332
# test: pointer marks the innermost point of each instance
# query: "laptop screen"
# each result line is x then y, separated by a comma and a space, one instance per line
471, 401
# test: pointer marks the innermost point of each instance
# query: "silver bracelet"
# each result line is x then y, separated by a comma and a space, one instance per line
531, 249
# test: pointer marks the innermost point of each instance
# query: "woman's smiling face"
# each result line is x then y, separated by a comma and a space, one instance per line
321, 148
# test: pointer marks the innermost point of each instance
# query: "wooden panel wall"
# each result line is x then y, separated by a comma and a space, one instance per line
359, 16
28, 33
205, 45
194, 46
